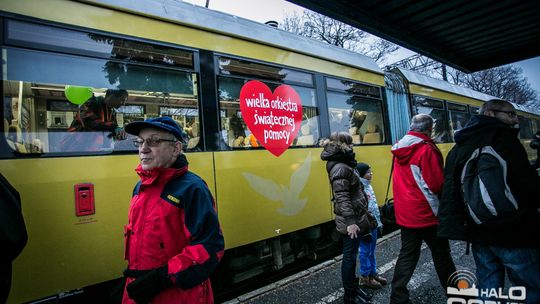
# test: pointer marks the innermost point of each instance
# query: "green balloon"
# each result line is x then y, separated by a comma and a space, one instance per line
78, 95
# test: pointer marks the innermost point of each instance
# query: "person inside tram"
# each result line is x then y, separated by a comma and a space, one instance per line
194, 136
305, 138
14, 139
97, 116
356, 137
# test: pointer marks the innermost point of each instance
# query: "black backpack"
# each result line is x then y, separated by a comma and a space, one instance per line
488, 199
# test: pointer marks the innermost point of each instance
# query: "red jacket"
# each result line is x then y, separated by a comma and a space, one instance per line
172, 221
417, 180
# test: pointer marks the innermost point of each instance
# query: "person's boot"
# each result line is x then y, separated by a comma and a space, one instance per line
369, 282
366, 296
348, 297
351, 297
380, 279
362, 297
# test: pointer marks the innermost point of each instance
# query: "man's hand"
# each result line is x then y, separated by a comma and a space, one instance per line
352, 231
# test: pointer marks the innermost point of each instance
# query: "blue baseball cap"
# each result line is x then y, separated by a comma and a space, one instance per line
164, 123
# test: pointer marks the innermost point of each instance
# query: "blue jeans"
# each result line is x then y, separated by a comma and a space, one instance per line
348, 263
368, 264
522, 264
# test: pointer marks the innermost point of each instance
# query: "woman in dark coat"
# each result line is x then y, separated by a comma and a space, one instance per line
350, 204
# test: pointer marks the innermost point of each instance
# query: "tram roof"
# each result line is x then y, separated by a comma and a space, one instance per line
467, 35
202, 18
442, 85
423, 80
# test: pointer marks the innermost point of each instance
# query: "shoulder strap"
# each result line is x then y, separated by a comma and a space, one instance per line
389, 179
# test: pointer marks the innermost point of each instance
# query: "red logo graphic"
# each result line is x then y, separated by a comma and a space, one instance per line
275, 118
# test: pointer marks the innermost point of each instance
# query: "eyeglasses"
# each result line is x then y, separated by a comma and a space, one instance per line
150, 141
509, 113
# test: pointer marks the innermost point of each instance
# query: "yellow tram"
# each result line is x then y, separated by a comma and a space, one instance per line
189, 63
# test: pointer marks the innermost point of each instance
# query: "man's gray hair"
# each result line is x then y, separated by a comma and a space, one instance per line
493, 104
421, 123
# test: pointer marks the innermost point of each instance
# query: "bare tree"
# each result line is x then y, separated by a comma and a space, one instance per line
331, 31
506, 82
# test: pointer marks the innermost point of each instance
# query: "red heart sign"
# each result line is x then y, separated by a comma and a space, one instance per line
274, 119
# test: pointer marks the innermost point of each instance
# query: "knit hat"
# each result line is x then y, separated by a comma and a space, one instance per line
362, 168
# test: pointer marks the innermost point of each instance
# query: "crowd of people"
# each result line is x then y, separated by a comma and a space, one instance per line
430, 207
172, 259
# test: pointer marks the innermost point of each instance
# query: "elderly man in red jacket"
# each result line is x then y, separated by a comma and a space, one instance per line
173, 239
417, 181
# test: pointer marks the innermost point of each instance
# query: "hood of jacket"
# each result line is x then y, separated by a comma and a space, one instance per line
480, 125
405, 148
338, 153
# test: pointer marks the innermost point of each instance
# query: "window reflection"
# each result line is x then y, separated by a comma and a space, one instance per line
45, 121
434, 108
353, 110
234, 131
525, 128
82, 43
41, 119
459, 116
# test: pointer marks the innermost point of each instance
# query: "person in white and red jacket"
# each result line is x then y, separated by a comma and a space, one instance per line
173, 241
417, 181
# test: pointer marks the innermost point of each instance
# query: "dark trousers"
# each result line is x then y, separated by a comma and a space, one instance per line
348, 263
411, 241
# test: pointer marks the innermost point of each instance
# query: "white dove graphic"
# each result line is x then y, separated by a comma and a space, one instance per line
288, 196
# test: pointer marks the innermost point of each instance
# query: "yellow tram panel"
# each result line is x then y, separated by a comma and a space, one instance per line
89, 248
261, 196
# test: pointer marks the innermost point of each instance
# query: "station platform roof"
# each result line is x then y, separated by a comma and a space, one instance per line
468, 35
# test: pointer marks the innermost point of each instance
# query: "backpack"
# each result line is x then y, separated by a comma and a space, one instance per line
488, 199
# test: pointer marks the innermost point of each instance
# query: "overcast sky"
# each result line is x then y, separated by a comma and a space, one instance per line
266, 10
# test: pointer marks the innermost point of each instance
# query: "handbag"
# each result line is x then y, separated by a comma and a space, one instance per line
388, 216
367, 221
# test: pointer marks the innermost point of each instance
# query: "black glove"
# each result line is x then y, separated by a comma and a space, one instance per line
149, 284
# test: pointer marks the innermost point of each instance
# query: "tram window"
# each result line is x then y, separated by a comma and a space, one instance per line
229, 66
351, 109
234, 131
77, 42
434, 108
525, 128
361, 117
353, 88
44, 120
474, 110
459, 116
